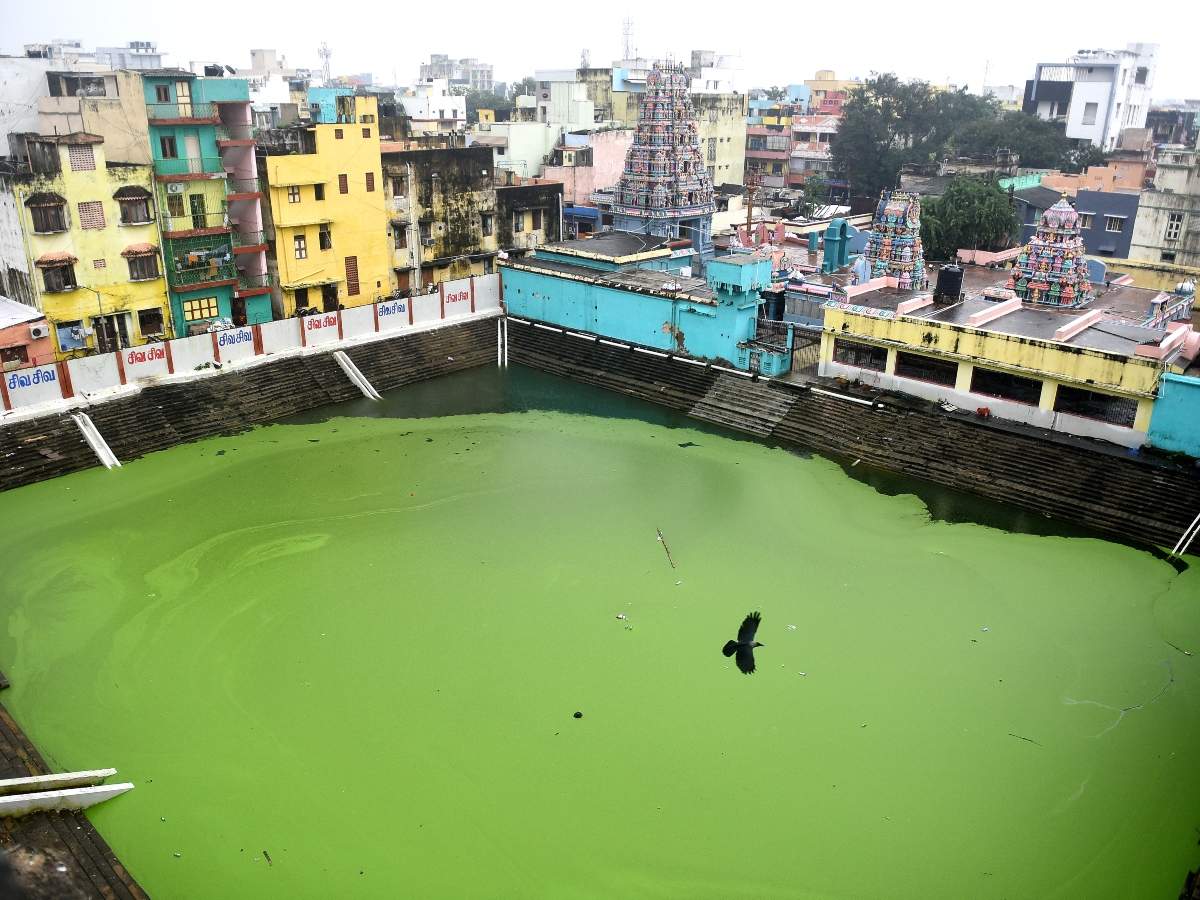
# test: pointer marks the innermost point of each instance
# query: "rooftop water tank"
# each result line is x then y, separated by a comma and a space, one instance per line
949, 282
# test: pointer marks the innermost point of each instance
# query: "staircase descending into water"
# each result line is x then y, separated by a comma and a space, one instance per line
1100, 486
41, 448
426, 354
736, 402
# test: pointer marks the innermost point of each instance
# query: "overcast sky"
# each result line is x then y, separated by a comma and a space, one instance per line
779, 43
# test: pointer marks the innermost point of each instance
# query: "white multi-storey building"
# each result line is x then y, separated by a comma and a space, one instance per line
1095, 94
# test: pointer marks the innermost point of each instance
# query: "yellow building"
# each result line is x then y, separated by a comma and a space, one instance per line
328, 211
828, 92
92, 244
1073, 371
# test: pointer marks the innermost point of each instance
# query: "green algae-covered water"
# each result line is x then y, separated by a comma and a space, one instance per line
356, 644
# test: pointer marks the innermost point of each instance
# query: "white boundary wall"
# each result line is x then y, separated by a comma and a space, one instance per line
62, 382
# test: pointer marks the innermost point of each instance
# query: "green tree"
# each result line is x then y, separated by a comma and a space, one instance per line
527, 85
814, 194
1076, 159
887, 123
775, 92
973, 213
1041, 144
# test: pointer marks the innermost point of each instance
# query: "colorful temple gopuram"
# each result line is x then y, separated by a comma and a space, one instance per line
665, 189
1052, 269
894, 248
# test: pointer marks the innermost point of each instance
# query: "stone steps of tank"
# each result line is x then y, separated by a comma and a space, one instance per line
41, 448
614, 368
1099, 488
409, 358
736, 402
165, 415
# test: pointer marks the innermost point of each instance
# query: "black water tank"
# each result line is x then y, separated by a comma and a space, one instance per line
949, 282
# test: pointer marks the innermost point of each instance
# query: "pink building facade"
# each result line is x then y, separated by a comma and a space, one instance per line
588, 161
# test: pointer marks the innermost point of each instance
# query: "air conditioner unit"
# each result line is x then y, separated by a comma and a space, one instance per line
38, 331
175, 187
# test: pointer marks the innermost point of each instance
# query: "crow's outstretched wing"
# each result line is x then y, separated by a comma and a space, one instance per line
745, 659
749, 629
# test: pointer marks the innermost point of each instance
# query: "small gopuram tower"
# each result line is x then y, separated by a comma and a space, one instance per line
1052, 269
665, 189
894, 248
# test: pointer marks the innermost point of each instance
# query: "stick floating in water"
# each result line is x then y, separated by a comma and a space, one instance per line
663, 541
1022, 737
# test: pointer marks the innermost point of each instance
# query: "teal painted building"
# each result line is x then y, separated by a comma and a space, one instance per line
324, 108
1175, 421
623, 286
208, 199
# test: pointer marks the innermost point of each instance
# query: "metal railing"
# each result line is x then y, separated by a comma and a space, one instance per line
191, 221
191, 109
243, 132
249, 238
189, 165
243, 185
201, 274
255, 281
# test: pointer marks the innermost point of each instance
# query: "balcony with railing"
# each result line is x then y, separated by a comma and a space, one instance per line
235, 135
195, 221
190, 165
184, 111
254, 284
213, 270
243, 186
249, 238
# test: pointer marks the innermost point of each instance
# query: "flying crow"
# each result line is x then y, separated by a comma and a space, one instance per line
745, 644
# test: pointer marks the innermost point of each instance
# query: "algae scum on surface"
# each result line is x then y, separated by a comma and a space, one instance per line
344, 658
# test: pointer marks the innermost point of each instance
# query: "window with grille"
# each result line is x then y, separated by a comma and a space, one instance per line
537, 220
400, 186
143, 268
712, 149
162, 93
926, 368
1174, 226
1091, 405
518, 221
48, 219
168, 146
401, 236
1114, 223
91, 214
1006, 386
366, 132
325, 238
370, 181
338, 134
863, 356
175, 206
1085, 220
351, 275
59, 278
1167, 256
134, 211
203, 308
300, 245
293, 193
99, 264
485, 224
318, 192
425, 230
343, 184
81, 157
150, 321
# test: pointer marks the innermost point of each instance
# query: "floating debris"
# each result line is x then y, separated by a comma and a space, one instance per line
985, 628
578, 714
689, 444
1022, 737
663, 541
791, 628
177, 855
855, 463
622, 616
802, 674
267, 857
